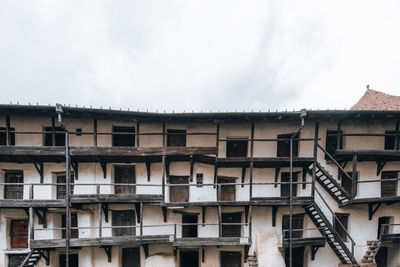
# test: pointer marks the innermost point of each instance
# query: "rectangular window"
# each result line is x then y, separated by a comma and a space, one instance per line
19, 233
131, 257
61, 185
389, 188
189, 258
199, 179
231, 259
346, 182
383, 229
14, 191
226, 192
74, 223
233, 230
390, 140
124, 218
59, 136
3, 136
283, 148
297, 224
124, 175
189, 230
180, 192
285, 188
176, 138
344, 220
236, 148
331, 142
123, 136
73, 260
15, 260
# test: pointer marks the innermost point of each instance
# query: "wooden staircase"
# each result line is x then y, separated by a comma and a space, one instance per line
252, 260
332, 237
32, 258
330, 184
373, 248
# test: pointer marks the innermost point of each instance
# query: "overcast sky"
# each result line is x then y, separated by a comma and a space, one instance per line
198, 55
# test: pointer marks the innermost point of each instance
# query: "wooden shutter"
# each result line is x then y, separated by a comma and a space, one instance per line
123, 218
126, 136
62, 189
14, 191
179, 193
131, 257
285, 188
189, 230
231, 259
283, 147
176, 138
389, 188
297, 223
19, 233
231, 230
124, 175
74, 223
227, 192
236, 148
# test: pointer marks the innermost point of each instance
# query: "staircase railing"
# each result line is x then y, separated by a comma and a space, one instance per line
334, 161
336, 222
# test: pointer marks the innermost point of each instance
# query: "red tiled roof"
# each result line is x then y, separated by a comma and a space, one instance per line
374, 100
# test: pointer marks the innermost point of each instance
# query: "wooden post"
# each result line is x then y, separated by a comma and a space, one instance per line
216, 155
31, 233
137, 134
163, 134
141, 218
53, 131
339, 135
315, 155
354, 177
100, 221
251, 160
396, 140
220, 221
95, 132
163, 176
8, 133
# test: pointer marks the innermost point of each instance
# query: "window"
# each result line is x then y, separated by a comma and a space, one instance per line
176, 138
331, 142
78, 131
123, 218
283, 148
61, 185
126, 136
226, 192
15, 260
389, 188
189, 258
231, 230
3, 136
59, 136
297, 223
285, 188
236, 148
344, 220
346, 182
390, 140
19, 233
199, 179
14, 191
124, 175
179, 193
231, 259
383, 229
74, 223
130, 257
189, 230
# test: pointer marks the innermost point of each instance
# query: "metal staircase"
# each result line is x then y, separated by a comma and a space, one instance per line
330, 184
252, 260
333, 238
32, 258
370, 254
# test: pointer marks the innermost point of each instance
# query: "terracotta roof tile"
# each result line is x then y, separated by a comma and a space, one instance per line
375, 100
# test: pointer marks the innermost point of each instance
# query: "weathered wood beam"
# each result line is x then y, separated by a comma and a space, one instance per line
372, 210
203, 253
104, 168
220, 221
304, 177
141, 218
146, 250
167, 165
104, 207
8, 128
396, 140
379, 166
203, 215
339, 135
107, 250
243, 175
75, 167
191, 167
354, 178
39, 168
53, 131
95, 132
138, 212
277, 170
148, 168
165, 213
274, 212
42, 217
45, 253
137, 134
314, 250
246, 253
251, 160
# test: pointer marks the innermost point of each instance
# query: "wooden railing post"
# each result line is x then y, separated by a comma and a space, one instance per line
95, 132
315, 155
251, 160
339, 135
8, 128
354, 177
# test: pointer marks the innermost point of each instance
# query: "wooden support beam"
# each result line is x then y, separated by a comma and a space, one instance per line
42, 217
191, 167
107, 250
246, 214
8, 133
137, 134
246, 252
100, 215
243, 175
167, 165
26, 211
314, 250
104, 207
251, 160
339, 135
95, 132
163, 177
274, 212
203, 253
277, 170
45, 253
203, 215
304, 177
53, 131
146, 250
344, 164
396, 140
138, 210
39, 168
215, 174
163, 134
30, 230
141, 218
175, 251
165, 213
75, 167
372, 210
148, 168
354, 178
379, 166
104, 168
220, 220
216, 155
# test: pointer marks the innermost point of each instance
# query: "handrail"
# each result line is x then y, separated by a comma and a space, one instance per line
334, 161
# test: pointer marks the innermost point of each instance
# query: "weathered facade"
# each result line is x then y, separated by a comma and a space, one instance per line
198, 189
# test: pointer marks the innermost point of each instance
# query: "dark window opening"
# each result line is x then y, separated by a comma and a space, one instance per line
226, 192
124, 218
130, 257
389, 188
14, 191
62, 187
283, 147
125, 175
381, 226
74, 223
189, 230
236, 148
346, 182
59, 136
297, 257
231, 259
19, 233
15, 260
176, 138
73, 260
390, 140
331, 142
285, 188
189, 258
344, 220
297, 223
78, 131
123, 136
199, 179
232, 228
180, 192
3, 136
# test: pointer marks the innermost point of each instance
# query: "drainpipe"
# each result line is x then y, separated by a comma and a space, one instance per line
60, 111
303, 114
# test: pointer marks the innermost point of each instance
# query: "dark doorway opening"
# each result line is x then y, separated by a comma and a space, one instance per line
331, 142
59, 136
231, 259
283, 147
73, 260
62, 187
285, 188
124, 175
344, 220
227, 192
189, 258
180, 192
189, 230
176, 138
233, 230
123, 136
236, 148
390, 140
124, 218
130, 257
389, 188
297, 257
347, 182
381, 228
297, 223
3, 136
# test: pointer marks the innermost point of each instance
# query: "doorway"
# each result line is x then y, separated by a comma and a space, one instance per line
179, 193
189, 258
231, 259
130, 257
227, 192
